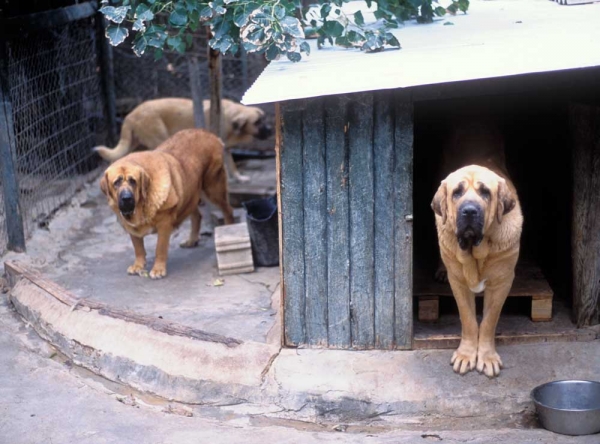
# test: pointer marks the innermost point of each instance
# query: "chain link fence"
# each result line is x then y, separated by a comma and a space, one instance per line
53, 101
56, 111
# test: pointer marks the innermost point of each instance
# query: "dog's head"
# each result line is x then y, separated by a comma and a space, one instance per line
471, 199
126, 186
249, 122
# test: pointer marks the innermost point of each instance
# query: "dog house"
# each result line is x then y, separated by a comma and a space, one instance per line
351, 193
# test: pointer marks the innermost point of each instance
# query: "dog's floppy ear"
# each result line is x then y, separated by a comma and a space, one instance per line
506, 200
104, 184
439, 204
238, 122
144, 184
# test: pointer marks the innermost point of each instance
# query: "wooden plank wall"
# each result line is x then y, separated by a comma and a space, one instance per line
346, 220
584, 124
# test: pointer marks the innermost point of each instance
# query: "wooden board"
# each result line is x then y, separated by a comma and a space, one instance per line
513, 328
338, 250
529, 281
584, 123
346, 213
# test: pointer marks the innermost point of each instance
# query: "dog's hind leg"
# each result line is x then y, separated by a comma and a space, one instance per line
215, 189
196, 218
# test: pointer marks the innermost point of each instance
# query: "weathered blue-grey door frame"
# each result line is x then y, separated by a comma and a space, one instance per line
345, 165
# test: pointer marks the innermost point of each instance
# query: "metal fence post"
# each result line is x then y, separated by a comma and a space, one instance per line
105, 53
14, 220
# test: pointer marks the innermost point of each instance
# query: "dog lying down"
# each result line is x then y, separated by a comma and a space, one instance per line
155, 191
479, 222
154, 121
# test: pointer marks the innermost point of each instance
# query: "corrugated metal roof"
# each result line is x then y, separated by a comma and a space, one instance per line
495, 39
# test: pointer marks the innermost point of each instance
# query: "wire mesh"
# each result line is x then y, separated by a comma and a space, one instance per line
57, 113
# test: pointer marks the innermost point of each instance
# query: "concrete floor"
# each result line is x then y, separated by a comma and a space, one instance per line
86, 251
44, 399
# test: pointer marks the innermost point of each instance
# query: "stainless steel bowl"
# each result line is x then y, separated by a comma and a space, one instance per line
568, 407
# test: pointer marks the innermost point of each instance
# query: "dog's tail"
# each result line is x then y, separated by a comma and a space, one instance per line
123, 147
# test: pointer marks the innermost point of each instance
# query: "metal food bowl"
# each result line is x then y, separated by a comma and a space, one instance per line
568, 407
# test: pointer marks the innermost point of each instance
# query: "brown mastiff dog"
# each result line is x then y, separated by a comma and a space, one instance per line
479, 221
155, 191
154, 121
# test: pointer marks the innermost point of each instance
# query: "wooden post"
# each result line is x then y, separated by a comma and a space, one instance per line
214, 75
14, 220
196, 87
584, 123
107, 73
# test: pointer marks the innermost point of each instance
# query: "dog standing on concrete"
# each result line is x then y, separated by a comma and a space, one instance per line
155, 191
479, 221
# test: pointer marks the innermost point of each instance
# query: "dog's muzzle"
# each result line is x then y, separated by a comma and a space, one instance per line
264, 132
469, 225
126, 203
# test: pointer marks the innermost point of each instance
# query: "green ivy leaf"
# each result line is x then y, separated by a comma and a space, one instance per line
291, 26
176, 43
325, 10
143, 12
393, 41
206, 13
305, 47
463, 5
279, 12
272, 53
178, 17
116, 34
439, 11
333, 28
294, 56
343, 41
115, 15
358, 18
140, 45
156, 37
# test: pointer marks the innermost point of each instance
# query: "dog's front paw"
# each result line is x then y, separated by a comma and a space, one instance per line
464, 359
137, 269
158, 272
190, 243
489, 362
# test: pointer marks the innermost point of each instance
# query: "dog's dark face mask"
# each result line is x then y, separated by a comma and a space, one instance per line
470, 218
125, 187
262, 130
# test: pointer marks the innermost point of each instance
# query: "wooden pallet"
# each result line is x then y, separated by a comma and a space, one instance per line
529, 282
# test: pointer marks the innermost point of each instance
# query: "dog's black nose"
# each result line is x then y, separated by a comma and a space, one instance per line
264, 132
469, 210
126, 201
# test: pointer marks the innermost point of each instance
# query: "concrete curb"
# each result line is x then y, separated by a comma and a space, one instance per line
334, 385
174, 367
